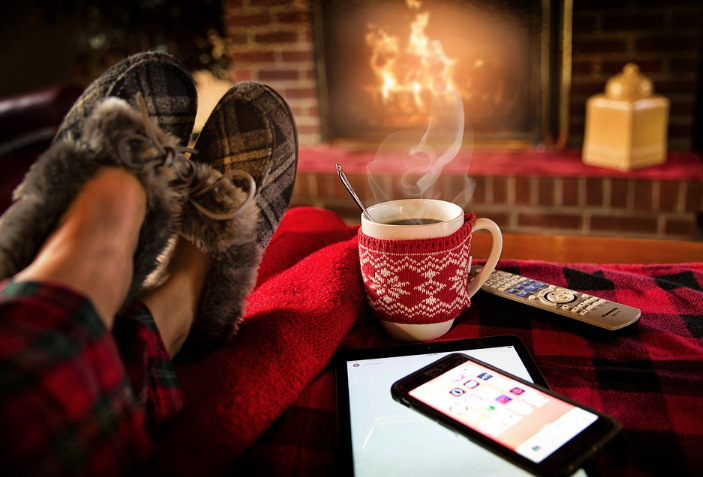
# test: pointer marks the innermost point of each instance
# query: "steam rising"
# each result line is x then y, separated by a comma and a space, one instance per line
424, 154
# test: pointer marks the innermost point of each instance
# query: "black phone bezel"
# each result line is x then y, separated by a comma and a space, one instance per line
563, 462
342, 387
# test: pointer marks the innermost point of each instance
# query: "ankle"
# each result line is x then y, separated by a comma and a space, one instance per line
175, 303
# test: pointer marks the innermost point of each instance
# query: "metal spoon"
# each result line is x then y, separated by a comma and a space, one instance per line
348, 186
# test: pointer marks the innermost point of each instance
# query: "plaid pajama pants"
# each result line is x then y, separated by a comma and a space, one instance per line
75, 398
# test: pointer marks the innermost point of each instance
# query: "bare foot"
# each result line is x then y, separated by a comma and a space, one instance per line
92, 248
175, 302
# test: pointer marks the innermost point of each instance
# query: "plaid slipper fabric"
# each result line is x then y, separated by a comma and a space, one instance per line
252, 129
165, 83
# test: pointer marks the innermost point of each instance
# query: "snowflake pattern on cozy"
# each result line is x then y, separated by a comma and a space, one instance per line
417, 281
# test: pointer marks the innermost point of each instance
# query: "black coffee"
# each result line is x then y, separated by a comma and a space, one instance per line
412, 221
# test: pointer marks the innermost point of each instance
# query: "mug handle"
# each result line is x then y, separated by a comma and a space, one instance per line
492, 227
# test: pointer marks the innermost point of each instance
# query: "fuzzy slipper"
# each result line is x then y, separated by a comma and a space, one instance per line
252, 129
251, 139
164, 82
220, 219
113, 135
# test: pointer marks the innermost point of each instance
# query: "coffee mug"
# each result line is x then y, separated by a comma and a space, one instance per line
415, 259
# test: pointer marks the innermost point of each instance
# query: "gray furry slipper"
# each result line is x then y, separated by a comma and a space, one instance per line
164, 82
252, 129
113, 135
221, 219
251, 139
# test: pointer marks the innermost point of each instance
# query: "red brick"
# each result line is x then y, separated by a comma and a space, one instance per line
680, 227
302, 129
259, 56
675, 87
582, 68
455, 188
299, 17
624, 224
576, 129
588, 89
269, 75
291, 56
271, 3
237, 38
550, 221
248, 19
523, 191
618, 193
479, 196
597, 5
300, 93
669, 196
667, 43
578, 109
686, 21
304, 186
633, 22
594, 192
500, 190
681, 130
240, 75
681, 109
545, 191
643, 195
595, 46
694, 197
569, 192
277, 37
582, 24
683, 65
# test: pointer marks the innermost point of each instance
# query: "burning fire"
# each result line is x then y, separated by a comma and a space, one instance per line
407, 77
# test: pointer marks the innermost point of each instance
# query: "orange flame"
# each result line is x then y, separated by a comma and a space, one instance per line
422, 69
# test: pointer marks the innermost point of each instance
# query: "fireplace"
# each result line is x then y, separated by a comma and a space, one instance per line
530, 190
383, 67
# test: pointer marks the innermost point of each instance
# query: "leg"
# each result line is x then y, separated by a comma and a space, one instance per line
91, 250
175, 303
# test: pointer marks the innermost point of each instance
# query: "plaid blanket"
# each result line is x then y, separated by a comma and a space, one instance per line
266, 405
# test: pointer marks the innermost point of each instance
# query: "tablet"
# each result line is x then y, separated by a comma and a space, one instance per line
380, 437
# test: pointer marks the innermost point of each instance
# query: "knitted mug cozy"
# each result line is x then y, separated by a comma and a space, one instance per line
417, 281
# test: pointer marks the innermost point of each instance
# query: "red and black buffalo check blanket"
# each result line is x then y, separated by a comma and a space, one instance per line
266, 405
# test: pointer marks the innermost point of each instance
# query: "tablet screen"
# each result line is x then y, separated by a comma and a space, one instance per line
389, 439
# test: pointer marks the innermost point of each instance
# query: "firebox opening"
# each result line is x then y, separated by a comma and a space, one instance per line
381, 64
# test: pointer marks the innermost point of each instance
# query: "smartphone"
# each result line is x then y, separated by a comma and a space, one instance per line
532, 427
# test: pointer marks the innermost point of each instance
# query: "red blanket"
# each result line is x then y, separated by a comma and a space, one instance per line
266, 405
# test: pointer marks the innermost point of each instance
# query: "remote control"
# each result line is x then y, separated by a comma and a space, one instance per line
569, 303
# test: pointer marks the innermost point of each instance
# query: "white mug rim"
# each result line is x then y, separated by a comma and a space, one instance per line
450, 222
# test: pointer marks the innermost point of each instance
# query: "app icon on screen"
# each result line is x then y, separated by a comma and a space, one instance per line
471, 384
457, 392
517, 391
485, 376
503, 399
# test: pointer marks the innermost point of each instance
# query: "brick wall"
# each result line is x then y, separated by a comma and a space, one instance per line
637, 207
271, 41
663, 37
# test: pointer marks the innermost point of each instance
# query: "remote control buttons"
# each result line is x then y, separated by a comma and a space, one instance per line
558, 296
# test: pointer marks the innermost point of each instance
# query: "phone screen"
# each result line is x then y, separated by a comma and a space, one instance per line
389, 439
528, 421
